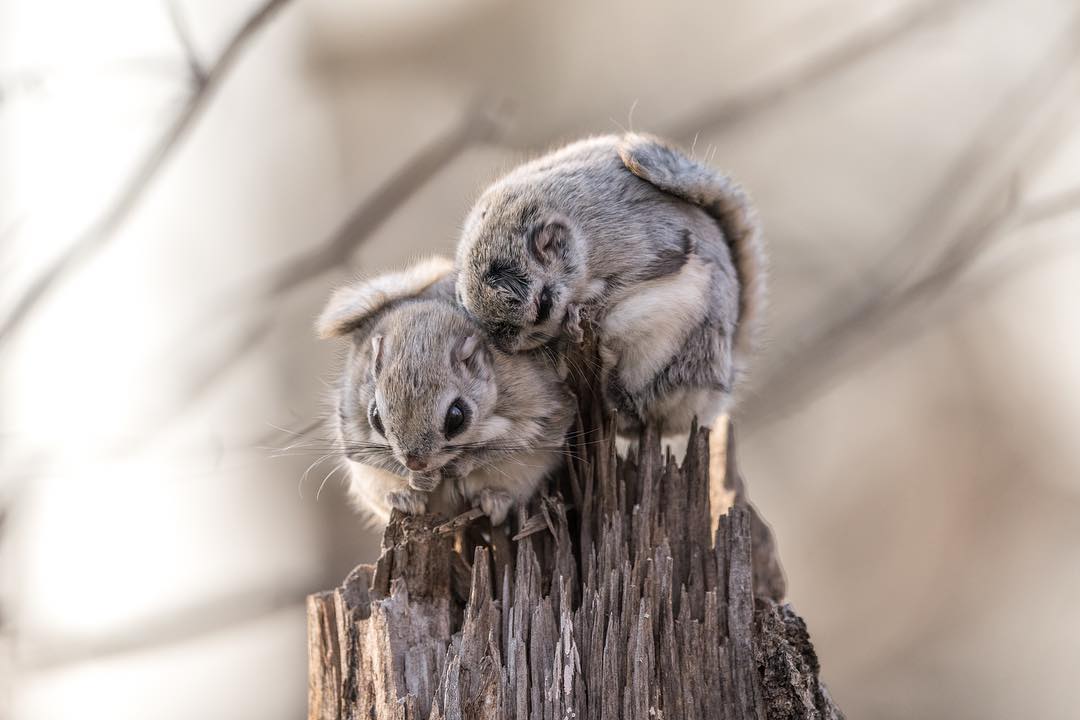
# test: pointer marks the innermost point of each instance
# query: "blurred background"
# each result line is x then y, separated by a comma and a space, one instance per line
183, 182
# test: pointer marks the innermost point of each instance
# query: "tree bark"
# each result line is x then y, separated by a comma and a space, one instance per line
612, 595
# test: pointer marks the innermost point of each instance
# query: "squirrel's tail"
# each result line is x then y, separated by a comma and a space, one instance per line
660, 164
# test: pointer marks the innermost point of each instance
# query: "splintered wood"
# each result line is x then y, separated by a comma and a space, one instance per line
610, 597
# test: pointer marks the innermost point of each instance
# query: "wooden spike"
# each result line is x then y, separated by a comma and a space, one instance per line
621, 606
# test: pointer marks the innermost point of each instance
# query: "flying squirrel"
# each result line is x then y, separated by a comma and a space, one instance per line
662, 254
429, 414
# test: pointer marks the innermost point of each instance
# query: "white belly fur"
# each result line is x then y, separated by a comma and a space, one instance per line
519, 476
369, 485
642, 333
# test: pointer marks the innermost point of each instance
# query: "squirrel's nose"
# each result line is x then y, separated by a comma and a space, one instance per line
414, 463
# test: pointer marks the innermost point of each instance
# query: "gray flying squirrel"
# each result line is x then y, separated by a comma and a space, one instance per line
663, 254
430, 417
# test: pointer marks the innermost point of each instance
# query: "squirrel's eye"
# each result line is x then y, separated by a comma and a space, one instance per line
374, 419
456, 415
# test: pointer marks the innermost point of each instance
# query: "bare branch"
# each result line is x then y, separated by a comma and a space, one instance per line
479, 124
863, 43
1028, 130
1063, 203
97, 235
1015, 264
726, 113
474, 126
904, 323
262, 300
187, 44
375, 210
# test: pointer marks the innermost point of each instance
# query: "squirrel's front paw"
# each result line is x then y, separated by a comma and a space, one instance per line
408, 501
496, 504
572, 323
425, 482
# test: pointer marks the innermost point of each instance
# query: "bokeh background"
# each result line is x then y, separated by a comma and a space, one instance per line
181, 184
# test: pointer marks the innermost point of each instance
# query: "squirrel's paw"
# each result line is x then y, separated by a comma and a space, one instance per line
425, 482
496, 504
408, 501
572, 323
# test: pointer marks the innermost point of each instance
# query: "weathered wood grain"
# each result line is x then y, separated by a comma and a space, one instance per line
611, 596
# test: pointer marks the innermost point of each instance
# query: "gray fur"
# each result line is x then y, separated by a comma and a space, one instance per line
654, 247
430, 353
670, 170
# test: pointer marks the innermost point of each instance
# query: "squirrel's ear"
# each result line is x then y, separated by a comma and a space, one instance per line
351, 306
472, 355
376, 354
549, 240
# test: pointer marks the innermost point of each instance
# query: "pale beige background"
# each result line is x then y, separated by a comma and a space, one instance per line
911, 432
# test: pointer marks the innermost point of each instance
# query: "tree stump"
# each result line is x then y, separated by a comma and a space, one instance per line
612, 595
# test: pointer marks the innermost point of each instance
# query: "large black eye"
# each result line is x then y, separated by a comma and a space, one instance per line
374, 419
456, 417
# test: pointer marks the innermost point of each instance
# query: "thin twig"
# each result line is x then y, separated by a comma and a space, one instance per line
728, 112
375, 210
477, 125
863, 43
97, 235
1063, 203
454, 524
262, 299
816, 359
1015, 264
187, 43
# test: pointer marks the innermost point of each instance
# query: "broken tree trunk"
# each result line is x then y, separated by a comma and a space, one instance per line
613, 595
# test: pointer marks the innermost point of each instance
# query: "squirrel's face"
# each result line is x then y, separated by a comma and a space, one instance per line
520, 267
424, 393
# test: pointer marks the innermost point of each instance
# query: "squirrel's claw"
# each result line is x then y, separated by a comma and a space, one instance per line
425, 482
496, 504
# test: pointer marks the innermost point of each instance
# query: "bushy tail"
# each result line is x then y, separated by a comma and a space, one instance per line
660, 164
351, 305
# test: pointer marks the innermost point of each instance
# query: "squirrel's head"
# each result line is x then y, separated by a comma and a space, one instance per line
419, 392
519, 267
